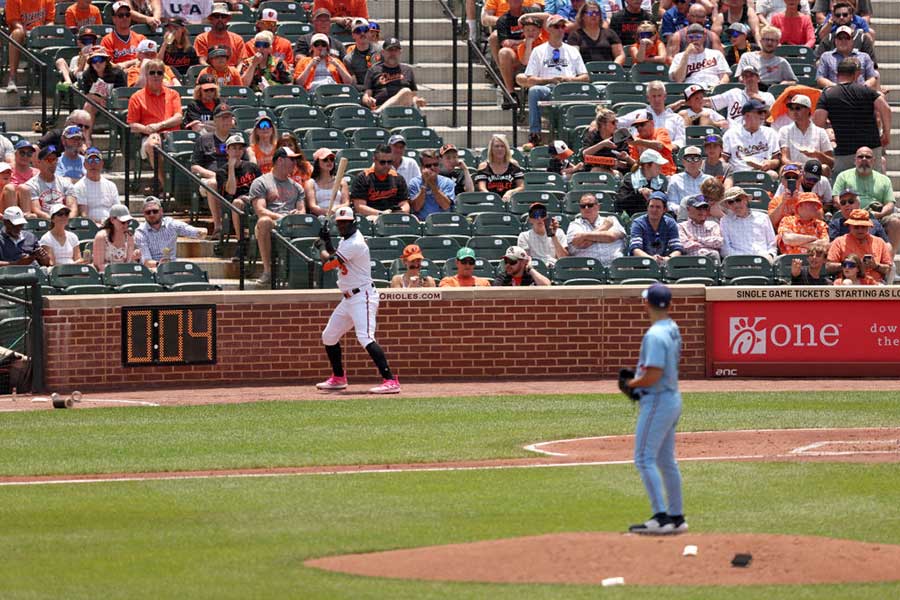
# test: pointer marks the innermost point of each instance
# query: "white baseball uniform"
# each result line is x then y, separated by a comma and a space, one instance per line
359, 306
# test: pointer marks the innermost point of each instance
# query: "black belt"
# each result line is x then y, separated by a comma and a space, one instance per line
355, 291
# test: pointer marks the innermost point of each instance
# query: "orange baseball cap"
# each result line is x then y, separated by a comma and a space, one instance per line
412, 252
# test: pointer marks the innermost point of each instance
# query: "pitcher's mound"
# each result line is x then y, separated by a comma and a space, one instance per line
588, 558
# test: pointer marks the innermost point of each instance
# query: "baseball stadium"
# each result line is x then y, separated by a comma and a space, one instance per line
449, 299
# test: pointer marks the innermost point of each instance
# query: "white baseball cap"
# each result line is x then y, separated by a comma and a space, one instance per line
515, 253
268, 14
147, 46
344, 213
14, 215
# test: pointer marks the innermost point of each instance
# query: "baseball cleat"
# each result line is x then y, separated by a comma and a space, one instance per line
333, 383
658, 524
388, 386
679, 525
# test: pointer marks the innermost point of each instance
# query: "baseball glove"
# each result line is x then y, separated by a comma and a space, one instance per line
630, 393
325, 236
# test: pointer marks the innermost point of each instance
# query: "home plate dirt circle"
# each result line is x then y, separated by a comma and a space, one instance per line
589, 558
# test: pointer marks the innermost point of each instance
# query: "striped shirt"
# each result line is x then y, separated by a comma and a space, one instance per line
700, 239
153, 242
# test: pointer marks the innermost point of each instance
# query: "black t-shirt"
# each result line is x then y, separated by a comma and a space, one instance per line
114, 76
505, 279
380, 193
599, 49
209, 151
359, 62
508, 27
244, 172
806, 278
197, 111
458, 177
733, 55
385, 81
626, 23
502, 182
851, 110
179, 60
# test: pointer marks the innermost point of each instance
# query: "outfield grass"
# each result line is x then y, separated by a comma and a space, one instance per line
393, 430
248, 538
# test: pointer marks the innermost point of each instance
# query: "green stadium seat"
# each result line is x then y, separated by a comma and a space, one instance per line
579, 268
755, 179
605, 71
703, 270
398, 224
449, 225
183, 276
746, 270
385, 249
84, 228
401, 116
332, 94
438, 249
649, 71
77, 279
488, 223
130, 278
300, 117
544, 181
521, 200
491, 247
634, 270
277, 96
472, 203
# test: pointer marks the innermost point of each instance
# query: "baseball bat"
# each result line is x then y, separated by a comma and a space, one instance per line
342, 168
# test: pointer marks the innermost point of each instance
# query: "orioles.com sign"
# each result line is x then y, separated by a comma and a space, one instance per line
840, 338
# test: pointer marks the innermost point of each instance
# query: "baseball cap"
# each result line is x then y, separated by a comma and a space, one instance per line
659, 196
809, 197
753, 105
464, 253
344, 213
93, 151
152, 200
319, 37
652, 156
47, 151
235, 139
813, 169
14, 215
657, 295
72, 131
321, 11
5, 166
147, 45
553, 20
801, 100
285, 152
357, 23
207, 81
714, 138
222, 109
87, 31
642, 117
220, 8
58, 208
268, 14
739, 28
696, 28
859, 216
322, 153
735, 192
515, 253
391, 43
99, 51
374, 26
697, 201
23, 144
843, 29
262, 118
752, 69
447, 148
412, 252
527, 19
218, 51
120, 212
396, 139
790, 168
692, 89
117, 5
534, 206
560, 149
848, 192
693, 151
620, 135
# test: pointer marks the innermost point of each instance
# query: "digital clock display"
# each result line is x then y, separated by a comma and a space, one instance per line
168, 335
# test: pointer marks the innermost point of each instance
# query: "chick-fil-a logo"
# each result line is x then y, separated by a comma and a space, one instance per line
751, 335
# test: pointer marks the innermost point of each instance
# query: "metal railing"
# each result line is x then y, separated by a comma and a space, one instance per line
454, 23
40, 65
411, 30
280, 241
475, 51
34, 335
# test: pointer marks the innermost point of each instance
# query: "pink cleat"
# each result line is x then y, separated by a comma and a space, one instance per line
333, 383
388, 386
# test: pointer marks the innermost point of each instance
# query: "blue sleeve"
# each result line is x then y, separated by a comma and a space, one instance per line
637, 235
448, 187
860, 23
673, 239
414, 184
668, 24
656, 351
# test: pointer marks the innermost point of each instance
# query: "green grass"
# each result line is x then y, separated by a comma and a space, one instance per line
248, 538
367, 431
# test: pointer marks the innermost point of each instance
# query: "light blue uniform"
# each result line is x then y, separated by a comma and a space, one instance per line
654, 444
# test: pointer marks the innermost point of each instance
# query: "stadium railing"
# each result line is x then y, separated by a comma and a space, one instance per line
475, 53
454, 24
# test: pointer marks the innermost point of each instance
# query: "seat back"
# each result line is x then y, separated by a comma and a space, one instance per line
447, 224
385, 249
334, 93
578, 267
487, 224
438, 248
84, 228
397, 224
469, 203
633, 267
746, 266
284, 95
520, 201
680, 267
298, 116
171, 273
299, 226
541, 180
64, 276
490, 247
401, 116
115, 275
603, 71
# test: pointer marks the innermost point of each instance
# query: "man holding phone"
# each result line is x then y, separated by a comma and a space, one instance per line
545, 241
19, 247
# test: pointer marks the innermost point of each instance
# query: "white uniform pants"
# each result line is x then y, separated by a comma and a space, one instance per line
357, 312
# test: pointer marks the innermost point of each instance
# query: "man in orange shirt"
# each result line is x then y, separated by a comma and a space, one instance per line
798, 231
151, 112
654, 138
876, 253
121, 43
281, 46
82, 13
21, 17
219, 68
219, 36
343, 11
465, 272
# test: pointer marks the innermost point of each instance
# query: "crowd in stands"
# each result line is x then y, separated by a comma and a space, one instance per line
785, 163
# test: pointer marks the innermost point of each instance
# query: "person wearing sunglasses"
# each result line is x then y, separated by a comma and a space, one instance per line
263, 68
71, 71
219, 37
320, 67
877, 255
699, 235
648, 47
826, 72
345, 12
22, 17
796, 27
853, 273
674, 18
798, 231
156, 240
99, 79
263, 142
803, 140
843, 14
595, 236
745, 231
636, 187
198, 114
846, 202
361, 53
303, 169
379, 189
465, 271
121, 43
733, 13
46, 188
60, 244
177, 49
550, 64
697, 63
23, 170
321, 22
223, 73
752, 147
211, 155
281, 48
695, 110
71, 163
19, 246
136, 74
516, 270
430, 192
687, 182
592, 35
874, 189
545, 241
95, 194
739, 36
152, 111
412, 277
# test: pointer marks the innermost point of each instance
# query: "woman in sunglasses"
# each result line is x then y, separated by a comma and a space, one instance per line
73, 70
853, 273
177, 50
320, 185
604, 147
320, 68
198, 114
263, 68
100, 78
648, 47
263, 141
412, 277
594, 41
60, 243
114, 243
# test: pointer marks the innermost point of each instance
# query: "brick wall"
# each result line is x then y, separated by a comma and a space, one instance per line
274, 337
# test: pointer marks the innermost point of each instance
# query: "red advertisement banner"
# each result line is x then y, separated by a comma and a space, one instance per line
812, 338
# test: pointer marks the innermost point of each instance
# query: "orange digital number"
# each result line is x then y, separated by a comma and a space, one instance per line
163, 357
207, 335
147, 355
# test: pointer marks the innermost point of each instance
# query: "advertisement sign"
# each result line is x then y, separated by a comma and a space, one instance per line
824, 336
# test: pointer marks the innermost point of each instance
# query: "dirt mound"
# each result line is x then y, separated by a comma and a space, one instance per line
589, 558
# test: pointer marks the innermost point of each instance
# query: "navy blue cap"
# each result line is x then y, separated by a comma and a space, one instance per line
658, 196
657, 295
753, 105
23, 144
697, 201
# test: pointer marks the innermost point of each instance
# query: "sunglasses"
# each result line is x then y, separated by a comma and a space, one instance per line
93, 160
864, 156
151, 211
97, 60
219, 17
27, 152
734, 201
320, 45
468, 261
645, 35
693, 158
87, 40
361, 30
384, 162
587, 205
539, 214
842, 15
848, 201
695, 36
592, 13
733, 33
327, 159
850, 265
123, 15
429, 165
262, 45
264, 125
511, 261
155, 73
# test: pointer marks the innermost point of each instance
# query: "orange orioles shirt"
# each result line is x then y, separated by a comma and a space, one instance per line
121, 50
30, 13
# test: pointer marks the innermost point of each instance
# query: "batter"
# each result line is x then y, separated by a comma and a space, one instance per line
656, 383
359, 306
